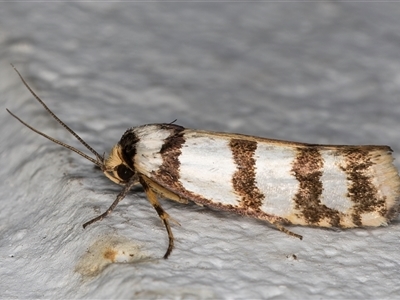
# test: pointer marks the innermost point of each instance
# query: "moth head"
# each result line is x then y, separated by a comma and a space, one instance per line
116, 168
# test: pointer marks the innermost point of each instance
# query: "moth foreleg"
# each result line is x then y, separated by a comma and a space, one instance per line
119, 198
152, 197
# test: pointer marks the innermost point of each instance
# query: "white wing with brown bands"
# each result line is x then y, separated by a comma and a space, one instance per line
279, 181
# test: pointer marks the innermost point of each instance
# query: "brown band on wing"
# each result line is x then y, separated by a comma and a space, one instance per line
168, 172
361, 191
308, 168
244, 179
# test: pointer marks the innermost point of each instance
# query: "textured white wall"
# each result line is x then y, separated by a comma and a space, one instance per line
313, 72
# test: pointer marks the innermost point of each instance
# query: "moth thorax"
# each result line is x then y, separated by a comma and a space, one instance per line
116, 169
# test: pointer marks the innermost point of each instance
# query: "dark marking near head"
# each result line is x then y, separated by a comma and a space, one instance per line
361, 190
243, 179
128, 144
307, 168
124, 173
170, 151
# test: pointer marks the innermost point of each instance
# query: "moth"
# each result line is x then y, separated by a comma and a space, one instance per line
280, 182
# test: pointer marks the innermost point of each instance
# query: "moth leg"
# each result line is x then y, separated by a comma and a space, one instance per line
163, 192
287, 231
120, 196
152, 197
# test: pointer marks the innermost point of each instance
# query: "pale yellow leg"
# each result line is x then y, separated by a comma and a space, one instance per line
152, 197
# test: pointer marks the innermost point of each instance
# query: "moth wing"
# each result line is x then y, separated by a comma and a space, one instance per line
205, 166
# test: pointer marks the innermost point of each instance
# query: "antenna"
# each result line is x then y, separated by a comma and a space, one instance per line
99, 159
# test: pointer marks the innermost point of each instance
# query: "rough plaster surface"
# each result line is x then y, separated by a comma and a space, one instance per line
325, 72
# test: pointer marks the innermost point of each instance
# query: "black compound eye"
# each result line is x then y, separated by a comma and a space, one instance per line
124, 172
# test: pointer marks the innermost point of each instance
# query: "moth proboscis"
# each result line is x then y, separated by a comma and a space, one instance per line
277, 181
